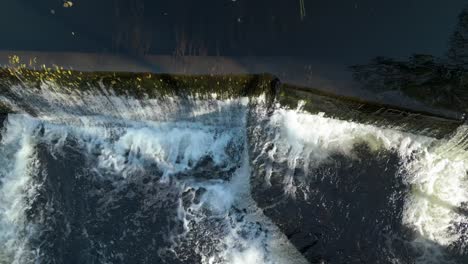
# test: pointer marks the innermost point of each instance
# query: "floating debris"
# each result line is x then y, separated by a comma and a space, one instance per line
67, 4
302, 9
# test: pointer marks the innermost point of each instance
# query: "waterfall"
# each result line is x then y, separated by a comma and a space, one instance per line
98, 175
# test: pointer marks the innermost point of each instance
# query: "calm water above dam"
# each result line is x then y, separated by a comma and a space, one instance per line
233, 132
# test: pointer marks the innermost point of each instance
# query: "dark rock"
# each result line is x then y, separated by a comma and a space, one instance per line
3, 117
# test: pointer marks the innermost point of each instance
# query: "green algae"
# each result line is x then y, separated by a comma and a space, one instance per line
137, 85
140, 85
150, 85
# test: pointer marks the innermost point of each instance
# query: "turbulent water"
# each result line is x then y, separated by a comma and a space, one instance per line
97, 178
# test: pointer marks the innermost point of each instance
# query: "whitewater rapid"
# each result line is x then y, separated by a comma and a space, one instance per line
169, 179
434, 171
185, 156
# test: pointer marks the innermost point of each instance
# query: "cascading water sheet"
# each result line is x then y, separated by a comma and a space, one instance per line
131, 181
366, 193
95, 177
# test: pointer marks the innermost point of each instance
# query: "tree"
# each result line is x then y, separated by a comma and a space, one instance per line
458, 50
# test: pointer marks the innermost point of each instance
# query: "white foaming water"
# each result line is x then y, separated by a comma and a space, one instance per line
247, 238
52, 104
17, 163
435, 170
437, 208
126, 135
307, 140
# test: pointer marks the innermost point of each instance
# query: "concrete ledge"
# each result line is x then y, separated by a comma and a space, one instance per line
142, 84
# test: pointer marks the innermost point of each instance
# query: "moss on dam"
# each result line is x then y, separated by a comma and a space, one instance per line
150, 85
140, 85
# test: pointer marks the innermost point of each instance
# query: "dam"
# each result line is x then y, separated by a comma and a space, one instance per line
233, 132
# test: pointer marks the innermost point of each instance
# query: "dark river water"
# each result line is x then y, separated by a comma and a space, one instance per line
108, 179
343, 32
94, 177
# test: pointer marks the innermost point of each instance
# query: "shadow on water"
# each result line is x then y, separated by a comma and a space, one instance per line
350, 210
438, 82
